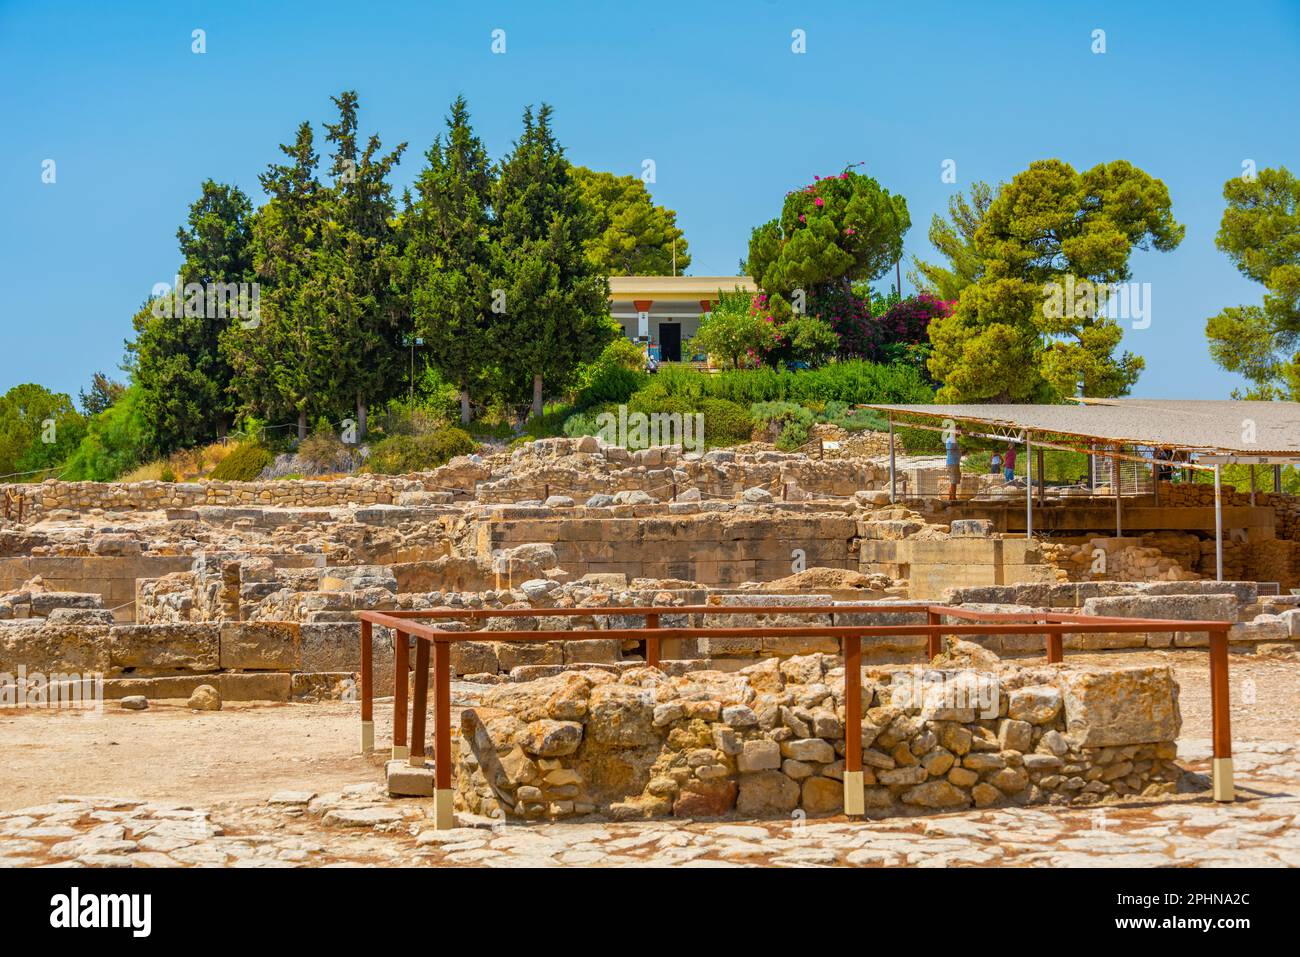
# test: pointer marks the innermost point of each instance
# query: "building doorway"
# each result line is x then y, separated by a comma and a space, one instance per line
670, 341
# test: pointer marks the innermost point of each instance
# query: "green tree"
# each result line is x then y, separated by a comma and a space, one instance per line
550, 304
38, 430
177, 362
734, 329
114, 442
448, 256
955, 239
632, 235
830, 233
284, 363
1260, 233
1013, 336
103, 393
357, 266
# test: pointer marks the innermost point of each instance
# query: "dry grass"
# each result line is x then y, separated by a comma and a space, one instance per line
183, 466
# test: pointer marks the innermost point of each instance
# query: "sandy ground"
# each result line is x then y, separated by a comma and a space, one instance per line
247, 751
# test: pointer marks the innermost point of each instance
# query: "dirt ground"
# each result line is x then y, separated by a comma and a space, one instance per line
246, 752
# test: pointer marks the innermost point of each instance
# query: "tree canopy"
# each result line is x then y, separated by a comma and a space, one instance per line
554, 303
1260, 233
1007, 339
631, 235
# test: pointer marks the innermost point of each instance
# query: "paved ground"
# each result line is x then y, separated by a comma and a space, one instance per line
359, 826
282, 786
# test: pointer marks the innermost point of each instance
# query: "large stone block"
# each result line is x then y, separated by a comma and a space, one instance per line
1196, 607
260, 646
1120, 706
40, 646
168, 647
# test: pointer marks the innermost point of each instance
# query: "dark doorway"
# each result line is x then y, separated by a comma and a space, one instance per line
670, 341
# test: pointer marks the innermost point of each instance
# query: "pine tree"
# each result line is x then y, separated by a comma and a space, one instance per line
447, 256
555, 307
182, 373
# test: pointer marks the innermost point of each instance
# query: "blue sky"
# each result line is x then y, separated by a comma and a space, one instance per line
710, 91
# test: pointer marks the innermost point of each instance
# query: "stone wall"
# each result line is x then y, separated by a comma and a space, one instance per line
1261, 624
688, 542
113, 578
770, 740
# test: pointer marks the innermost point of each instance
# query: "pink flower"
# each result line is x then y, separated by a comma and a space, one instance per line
818, 201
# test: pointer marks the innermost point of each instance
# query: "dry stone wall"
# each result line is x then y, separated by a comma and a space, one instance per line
769, 740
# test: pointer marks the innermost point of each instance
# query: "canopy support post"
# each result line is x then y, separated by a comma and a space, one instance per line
1218, 522
893, 472
1029, 489
1115, 483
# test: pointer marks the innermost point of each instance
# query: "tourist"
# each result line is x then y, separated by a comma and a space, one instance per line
995, 464
1009, 463
954, 465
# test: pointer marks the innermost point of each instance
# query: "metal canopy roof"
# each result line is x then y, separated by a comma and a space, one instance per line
1235, 429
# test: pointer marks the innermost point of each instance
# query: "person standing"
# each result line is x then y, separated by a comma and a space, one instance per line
995, 463
1009, 463
954, 465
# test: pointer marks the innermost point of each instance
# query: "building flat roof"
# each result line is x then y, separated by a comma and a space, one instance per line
676, 287
1244, 429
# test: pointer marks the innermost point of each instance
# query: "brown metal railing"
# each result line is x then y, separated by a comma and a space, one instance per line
969, 622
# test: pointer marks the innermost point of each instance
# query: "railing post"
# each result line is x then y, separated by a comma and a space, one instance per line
401, 678
420, 702
1055, 647
934, 641
367, 688
652, 643
444, 816
854, 789
1219, 705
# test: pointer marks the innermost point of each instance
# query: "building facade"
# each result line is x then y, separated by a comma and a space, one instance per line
663, 312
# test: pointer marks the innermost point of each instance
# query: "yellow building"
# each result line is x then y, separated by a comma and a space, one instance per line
664, 311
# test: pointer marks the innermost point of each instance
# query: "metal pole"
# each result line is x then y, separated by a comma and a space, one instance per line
854, 790
1218, 523
1029, 489
1220, 717
444, 817
401, 679
1119, 509
1252, 485
1277, 478
893, 471
367, 689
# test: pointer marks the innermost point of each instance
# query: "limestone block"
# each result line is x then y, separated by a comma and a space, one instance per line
1120, 706
166, 647
259, 646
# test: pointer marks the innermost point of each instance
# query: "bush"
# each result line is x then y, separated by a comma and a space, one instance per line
322, 451
402, 454
733, 330
244, 464
788, 422
114, 443
726, 423
850, 382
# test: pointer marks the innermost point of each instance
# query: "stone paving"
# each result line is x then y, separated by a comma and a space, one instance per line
361, 826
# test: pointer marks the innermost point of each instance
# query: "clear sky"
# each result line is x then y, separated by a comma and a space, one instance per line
710, 91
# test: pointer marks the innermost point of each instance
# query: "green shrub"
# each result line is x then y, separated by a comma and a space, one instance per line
244, 464
401, 454
725, 422
114, 443
167, 475
788, 421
